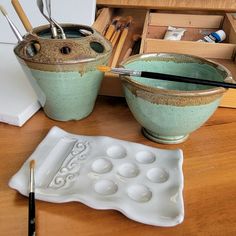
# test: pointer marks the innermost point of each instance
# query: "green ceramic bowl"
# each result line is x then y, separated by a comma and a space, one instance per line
170, 111
63, 71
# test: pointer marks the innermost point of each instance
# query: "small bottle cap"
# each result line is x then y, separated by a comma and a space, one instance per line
221, 35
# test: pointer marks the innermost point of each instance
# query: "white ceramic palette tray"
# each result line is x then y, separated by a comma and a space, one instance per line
142, 182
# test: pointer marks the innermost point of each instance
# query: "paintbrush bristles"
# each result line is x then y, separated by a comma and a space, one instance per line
4, 12
32, 164
129, 20
104, 68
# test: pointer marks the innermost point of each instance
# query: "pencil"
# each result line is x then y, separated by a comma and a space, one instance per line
31, 213
160, 76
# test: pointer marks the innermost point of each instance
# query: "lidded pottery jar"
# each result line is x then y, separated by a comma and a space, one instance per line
63, 71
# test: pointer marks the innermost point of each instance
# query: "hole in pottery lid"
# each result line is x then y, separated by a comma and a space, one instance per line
65, 50
32, 48
97, 47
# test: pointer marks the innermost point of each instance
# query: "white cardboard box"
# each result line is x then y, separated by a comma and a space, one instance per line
18, 101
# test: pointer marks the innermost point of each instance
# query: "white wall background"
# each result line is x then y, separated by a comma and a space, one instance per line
66, 11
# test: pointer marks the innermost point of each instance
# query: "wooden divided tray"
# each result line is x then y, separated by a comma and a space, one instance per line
152, 25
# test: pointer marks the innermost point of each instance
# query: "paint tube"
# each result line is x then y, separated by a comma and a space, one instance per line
214, 37
173, 33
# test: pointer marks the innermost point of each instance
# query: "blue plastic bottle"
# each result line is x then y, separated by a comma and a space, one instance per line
214, 37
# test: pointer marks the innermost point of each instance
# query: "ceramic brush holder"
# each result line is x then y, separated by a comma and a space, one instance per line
63, 71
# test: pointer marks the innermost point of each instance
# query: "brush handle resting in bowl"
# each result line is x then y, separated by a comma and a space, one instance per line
177, 78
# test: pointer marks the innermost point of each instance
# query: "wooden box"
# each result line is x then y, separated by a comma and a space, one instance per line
152, 25
197, 26
111, 85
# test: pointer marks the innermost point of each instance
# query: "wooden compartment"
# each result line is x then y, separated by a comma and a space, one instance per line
111, 84
197, 26
152, 25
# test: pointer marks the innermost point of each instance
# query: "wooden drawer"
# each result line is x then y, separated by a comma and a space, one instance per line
197, 26
152, 25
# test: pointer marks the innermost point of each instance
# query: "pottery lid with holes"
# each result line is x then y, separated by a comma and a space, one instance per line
83, 47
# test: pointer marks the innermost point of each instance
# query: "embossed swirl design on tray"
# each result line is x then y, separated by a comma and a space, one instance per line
71, 165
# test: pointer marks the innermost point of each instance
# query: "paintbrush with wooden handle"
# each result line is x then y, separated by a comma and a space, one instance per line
24, 19
116, 35
130, 49
112, 27
121, 42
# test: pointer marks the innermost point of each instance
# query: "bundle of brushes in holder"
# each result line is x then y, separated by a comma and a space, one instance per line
60, 62
119, 32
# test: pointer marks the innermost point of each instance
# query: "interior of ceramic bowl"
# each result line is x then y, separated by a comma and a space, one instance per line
176, 64
71, 31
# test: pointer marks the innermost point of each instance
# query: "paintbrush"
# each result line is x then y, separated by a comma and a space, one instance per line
35, 47
111, 28
116, 34
136, 47
31, 213
24, 19
130, 49
160, 76
13, 27
121, 42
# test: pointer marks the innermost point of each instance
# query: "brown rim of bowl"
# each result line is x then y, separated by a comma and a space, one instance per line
206, 92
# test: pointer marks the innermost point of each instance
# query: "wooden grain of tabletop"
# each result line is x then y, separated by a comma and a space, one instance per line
209, 177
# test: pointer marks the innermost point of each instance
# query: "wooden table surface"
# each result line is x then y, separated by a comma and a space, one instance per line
209, 177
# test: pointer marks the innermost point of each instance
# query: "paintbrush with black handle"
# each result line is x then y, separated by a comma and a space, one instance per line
31, 215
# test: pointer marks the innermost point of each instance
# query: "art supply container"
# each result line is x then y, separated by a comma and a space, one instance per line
63, 71
169, 111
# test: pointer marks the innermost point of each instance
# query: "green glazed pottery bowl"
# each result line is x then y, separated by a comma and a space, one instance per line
63, 71
169, 111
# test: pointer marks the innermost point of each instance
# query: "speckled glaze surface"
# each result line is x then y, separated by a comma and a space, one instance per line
169, 111
63, 71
